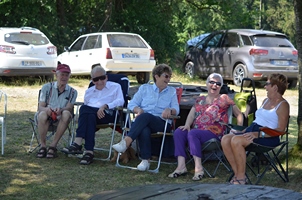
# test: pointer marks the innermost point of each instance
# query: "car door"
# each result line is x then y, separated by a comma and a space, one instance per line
211, 54
229, 47
73, 57
91, 53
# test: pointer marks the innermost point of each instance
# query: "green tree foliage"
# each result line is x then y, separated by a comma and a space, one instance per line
279, 16
166, 25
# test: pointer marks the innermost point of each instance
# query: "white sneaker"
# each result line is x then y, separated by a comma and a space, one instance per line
144, 165
120, 147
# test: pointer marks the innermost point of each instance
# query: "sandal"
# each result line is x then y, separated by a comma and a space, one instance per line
236, 181
87, 159
198, 176
42, 152
177, 174
74, 148
52, 152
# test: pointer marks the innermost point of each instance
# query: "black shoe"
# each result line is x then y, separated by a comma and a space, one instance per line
74, 148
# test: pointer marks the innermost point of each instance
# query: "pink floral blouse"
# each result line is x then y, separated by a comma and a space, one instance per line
208, 116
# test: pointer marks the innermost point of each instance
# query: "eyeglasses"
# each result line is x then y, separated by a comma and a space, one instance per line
267, 83
217, 83
103, 77
166, 75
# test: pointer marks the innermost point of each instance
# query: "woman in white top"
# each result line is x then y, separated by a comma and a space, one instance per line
273, 113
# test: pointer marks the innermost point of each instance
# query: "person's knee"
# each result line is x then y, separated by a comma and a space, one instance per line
66, 116
236, 141
226, 140
42, 117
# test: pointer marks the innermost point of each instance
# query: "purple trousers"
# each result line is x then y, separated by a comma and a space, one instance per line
194, 138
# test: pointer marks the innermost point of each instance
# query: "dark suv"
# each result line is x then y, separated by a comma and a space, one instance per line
243, 53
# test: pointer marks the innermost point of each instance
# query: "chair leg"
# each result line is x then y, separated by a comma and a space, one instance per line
156, 170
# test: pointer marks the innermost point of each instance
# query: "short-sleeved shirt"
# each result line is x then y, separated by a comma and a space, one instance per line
209, 116
50, 95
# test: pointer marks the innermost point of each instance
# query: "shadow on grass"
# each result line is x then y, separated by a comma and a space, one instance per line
23, 176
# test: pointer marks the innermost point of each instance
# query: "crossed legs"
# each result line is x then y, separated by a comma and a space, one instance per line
234, 150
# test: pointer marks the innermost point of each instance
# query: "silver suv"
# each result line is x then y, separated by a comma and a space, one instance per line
116, 52
26, 51
243, 53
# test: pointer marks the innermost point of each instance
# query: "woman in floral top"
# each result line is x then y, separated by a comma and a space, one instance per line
203, 124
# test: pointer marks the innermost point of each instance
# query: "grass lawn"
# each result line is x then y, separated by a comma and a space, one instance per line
23, 176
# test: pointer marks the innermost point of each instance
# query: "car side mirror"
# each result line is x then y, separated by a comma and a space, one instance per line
66, 48
200, 46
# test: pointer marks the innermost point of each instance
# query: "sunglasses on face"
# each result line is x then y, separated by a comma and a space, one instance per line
103, 77
267, 83
217, 83
166, 75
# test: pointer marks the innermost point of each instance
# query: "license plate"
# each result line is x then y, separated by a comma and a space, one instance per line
280, 62
31, 63
130, 55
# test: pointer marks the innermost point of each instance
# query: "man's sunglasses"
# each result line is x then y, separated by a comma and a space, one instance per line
267, 83
217, 83
166, 75
103, 77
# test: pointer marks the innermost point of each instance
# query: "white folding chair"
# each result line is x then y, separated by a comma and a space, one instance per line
163, 134
119, 115
127, 127
3, 100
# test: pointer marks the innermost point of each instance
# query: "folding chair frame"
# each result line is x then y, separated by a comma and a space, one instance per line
271, 155
213, 148
102, 126
52, 129
3, 98
118, 78
51, 132
127, 127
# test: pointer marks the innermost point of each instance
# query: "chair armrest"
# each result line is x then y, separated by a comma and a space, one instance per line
271, 132
232, 126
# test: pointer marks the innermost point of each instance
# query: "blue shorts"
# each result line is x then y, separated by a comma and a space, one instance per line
267, 141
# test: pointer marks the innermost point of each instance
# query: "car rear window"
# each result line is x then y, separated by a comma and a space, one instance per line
119, 40
26, 38
271, 41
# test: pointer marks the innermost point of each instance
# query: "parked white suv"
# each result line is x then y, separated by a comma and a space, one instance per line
116, 52
26, 51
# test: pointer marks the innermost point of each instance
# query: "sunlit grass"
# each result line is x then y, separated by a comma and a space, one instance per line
22, 176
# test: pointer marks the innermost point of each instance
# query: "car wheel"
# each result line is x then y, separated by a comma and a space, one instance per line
239, 73
292, 84
189, 69
142, 77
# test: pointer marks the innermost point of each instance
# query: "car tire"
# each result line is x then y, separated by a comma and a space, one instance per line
292, 84
190, 69
142, 77
240, 73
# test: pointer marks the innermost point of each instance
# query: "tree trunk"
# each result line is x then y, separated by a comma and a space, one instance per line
298, 14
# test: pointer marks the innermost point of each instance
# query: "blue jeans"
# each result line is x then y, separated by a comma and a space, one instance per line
87, 125
141, 129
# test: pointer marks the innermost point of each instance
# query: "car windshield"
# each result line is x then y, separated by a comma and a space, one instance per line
26, 38
120, 40
271, 41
